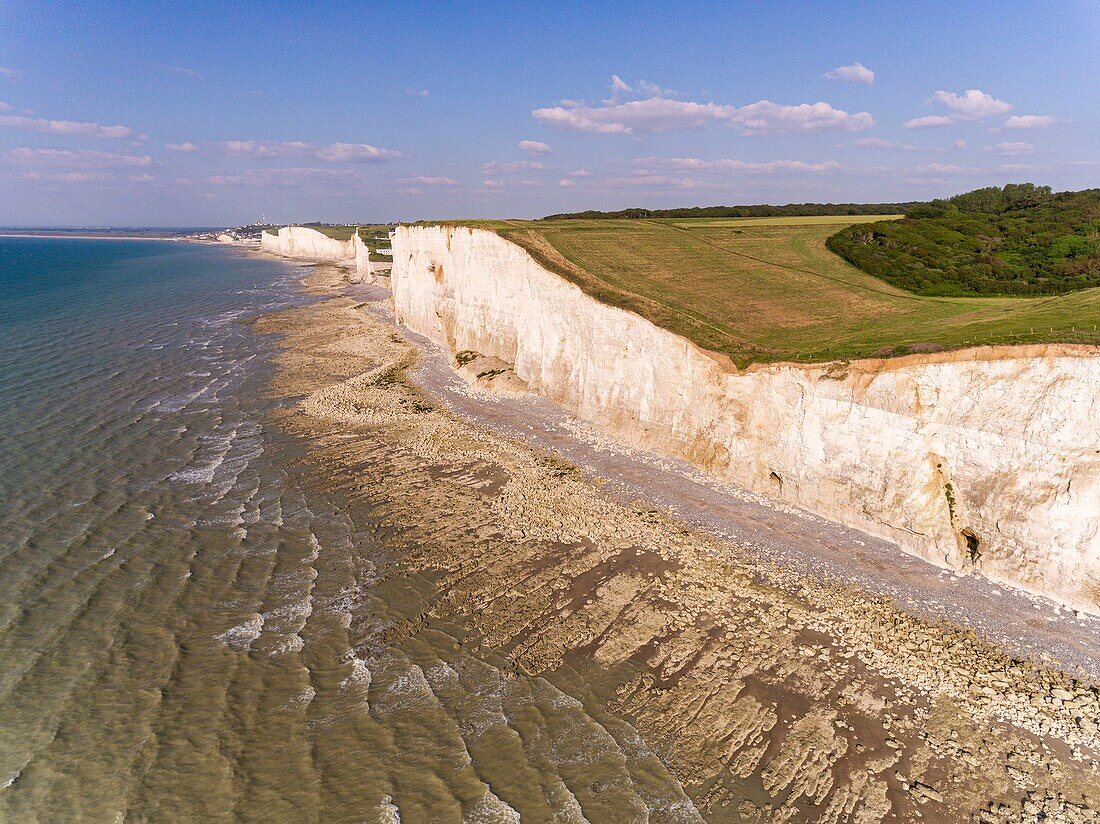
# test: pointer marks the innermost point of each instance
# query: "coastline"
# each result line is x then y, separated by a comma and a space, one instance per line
740, 673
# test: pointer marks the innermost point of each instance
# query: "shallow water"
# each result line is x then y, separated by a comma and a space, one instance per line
188, 630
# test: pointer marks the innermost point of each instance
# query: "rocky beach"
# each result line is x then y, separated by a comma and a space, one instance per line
768, 690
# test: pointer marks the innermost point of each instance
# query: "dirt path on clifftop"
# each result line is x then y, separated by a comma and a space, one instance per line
781, 667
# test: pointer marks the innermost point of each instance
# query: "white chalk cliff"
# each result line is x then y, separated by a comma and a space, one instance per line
309, 244
985, 458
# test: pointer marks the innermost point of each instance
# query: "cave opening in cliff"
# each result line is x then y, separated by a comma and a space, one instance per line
972, 546
777, 482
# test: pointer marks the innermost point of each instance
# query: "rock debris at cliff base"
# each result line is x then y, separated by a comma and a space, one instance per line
770, 696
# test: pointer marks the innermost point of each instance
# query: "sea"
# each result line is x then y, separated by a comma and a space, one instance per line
175, 593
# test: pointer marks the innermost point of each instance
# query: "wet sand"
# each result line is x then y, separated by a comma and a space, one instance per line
782, 668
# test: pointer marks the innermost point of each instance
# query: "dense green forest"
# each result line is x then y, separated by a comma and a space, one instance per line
762, 210
1018, 240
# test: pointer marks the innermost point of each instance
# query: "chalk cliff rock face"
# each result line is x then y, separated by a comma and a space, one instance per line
309, 244
986, 458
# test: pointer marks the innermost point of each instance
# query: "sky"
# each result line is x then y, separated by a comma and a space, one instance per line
214, 114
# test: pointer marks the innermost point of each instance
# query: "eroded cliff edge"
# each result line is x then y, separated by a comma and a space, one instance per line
986, 458
309, 244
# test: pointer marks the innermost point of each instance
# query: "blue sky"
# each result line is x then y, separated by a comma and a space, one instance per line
202, 114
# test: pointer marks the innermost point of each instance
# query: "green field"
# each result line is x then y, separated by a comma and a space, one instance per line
763, 290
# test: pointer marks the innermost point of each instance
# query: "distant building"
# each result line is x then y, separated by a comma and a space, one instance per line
386, 252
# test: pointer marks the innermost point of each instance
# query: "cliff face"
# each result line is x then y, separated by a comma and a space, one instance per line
309, 244
987, 458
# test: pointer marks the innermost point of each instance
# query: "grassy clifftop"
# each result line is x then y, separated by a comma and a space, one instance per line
762, 290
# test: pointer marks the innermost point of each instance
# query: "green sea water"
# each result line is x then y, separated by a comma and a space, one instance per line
188, 630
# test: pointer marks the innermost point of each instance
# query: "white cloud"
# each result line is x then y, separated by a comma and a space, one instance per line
765, 117
972, 104
880, 143
4, 106
929, 120
534, 147
275, 178
946, 168
65, 127
496, 167
855, 73
644, 87
645, 179
417, 93
355, 153
619, 85
265, 148
730, 165
1030, 121
580, 173
421, 180
331, 153
181, 147
8, 71
503, 184
566, 182
73, 159
1009, 149
662, 114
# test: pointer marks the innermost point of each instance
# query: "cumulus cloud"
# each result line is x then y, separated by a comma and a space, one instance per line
496, 167
644, 178
946, 168
355, 153
619, 85
972, 104
74, 159
855, 73
880, 143
731, 165
566, 182
72, 128
580, 173
765, 117
331, 153
269, 178
422, 180
663, 114
928, 121
1030, 121
497, 185
181, 147
416, 93
1011, 149
534, 147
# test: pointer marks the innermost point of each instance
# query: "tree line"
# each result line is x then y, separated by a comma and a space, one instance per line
1020, 239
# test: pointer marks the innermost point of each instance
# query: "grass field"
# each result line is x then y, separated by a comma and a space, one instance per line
767, 289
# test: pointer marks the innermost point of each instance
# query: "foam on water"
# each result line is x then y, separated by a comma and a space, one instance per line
189, 632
